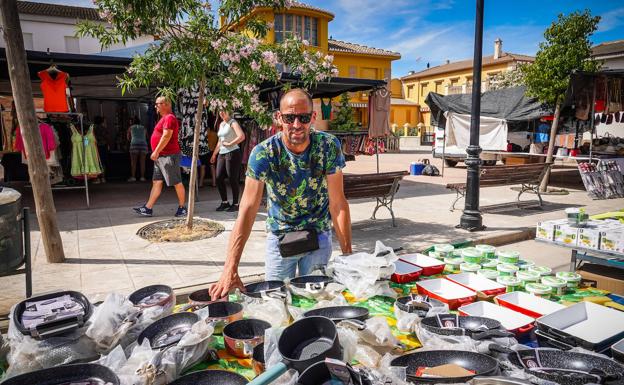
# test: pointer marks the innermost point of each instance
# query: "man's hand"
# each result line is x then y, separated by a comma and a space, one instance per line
226, 283
154, 156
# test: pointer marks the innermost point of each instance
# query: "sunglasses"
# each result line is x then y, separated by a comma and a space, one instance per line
303, 118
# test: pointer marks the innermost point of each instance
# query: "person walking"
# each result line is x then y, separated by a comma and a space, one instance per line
138, 148
166, 155
228, 157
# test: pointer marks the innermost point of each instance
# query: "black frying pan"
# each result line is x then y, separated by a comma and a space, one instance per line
569, 368
478, 328
256, 289
154, 295
340, 313
410, 304
66, 374
169, 330
311, 282
481, 364
211, 377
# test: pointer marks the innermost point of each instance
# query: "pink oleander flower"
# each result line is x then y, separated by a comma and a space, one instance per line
227, 81
255, 66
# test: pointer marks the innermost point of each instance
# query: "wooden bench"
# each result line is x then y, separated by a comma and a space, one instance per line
527, 175
380, 186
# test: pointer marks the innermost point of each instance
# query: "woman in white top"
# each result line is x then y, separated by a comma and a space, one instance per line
228, 157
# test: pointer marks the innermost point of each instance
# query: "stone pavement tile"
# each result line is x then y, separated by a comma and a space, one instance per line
106, 280
150, 275
49, 282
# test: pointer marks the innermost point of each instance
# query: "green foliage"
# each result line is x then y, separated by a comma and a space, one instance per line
567, 48
194, 45
343, 119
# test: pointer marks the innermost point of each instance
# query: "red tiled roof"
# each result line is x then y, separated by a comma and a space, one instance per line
608, 48
56, 10
343, 46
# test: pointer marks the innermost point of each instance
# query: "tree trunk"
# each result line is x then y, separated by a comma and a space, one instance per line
551, 146
196, 133
37, 167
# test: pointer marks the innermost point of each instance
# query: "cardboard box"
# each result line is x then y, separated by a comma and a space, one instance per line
589, 237
612, 240
545, 230
605, 277
566, 234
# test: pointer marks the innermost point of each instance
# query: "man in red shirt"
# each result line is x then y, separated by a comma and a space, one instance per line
166, 156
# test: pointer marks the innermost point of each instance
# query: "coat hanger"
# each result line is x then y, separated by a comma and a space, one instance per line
52, 69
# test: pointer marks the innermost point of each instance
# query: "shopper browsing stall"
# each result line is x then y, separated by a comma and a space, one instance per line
301, 169
138, 148
228, 157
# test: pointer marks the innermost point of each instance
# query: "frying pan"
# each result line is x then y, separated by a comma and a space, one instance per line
199, 299
257, 359
311, 282
222, 313
481, 364
243, 335
66, 374
258, 289
211, 377
477, 328
168, 331
302, 344
340, 313
154, 295
411, 304
568, 368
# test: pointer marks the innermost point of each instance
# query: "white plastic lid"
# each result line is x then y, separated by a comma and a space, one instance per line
554, 282
470, 267
485, 248
569, 276
507, 268
508, 280
527, 275
508, 254
471, 252
443, 248
453, 260
537, 288
542, 270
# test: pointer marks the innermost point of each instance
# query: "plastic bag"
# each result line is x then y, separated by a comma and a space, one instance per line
328, 292
273, 357
271, 310
433, 341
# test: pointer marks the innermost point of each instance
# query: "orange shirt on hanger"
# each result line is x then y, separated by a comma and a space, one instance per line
54, 96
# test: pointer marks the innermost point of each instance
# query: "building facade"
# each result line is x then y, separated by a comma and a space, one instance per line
610, 54
52, 27
456, 77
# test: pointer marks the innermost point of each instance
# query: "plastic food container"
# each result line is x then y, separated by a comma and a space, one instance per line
487, 251
511, 283
572, 279
471, 255
528, 304
452, 263
528, 277
429, 265
576, 217
469, 267
477, 283
507, 269
444, 250
435, 254
538, 289
542, 270
489, 264
508, 256
488, 273
449, 292
524, 265
557, 285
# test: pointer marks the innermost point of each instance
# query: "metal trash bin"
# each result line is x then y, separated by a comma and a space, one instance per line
11, 234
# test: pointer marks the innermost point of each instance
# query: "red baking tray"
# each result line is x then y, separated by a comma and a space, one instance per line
478, 283
528, 304
405, 272
517, 323
429, 265
447, 291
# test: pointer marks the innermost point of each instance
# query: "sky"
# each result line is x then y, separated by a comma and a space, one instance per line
433, 31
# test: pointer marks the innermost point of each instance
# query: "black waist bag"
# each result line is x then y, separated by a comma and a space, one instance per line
298, 242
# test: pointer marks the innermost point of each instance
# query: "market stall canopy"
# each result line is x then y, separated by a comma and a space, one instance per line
511, 104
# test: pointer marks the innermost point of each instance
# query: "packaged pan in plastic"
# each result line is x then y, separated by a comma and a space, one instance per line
52, 314
83, 374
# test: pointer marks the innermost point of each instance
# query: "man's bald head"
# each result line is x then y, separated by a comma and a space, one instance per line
293, 95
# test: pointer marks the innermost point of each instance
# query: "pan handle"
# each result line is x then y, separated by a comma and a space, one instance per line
496, 348
270, 374
355, 323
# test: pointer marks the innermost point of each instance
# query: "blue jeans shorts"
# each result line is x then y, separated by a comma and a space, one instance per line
278, 268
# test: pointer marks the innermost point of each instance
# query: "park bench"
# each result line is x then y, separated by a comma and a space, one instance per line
381, 186
528, 176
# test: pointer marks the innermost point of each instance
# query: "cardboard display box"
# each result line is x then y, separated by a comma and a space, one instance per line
605, 277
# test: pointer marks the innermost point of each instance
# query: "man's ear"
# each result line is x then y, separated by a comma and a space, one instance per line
278, 117
313, 117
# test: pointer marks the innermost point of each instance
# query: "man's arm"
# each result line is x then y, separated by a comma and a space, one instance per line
339, 209
249, 205
164, 139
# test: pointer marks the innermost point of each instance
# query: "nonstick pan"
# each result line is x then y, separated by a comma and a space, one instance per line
169, 330
211, 377
153, 295
242, 336
302, 344
476, 327
258, 289
311, 282
340, 313
481, 364
67, 374
222, 313
566, 368
417, 304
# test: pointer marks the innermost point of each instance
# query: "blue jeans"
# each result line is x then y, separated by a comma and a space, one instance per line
278, 268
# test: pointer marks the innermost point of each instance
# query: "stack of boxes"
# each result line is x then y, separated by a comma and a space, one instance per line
607, 235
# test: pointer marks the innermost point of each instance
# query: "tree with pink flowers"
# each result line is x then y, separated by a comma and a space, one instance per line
205, 46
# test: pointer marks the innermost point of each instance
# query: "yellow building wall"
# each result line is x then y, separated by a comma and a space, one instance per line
401, 114
396, 87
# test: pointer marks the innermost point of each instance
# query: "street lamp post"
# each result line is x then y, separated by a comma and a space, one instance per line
471, 217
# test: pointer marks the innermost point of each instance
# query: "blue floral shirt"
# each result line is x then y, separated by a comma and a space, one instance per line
297, 183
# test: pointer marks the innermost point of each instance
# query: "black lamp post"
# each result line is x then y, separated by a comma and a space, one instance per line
471, 218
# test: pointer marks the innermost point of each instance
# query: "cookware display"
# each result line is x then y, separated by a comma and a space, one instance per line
168, 331
449, 292
477, 283
91, 374
340, 313
429, 265
211, 377
269, 288
302, 344
528, 304
153, 295
311, 282
586, 324
242, 336
222, 313
417, 304
479, 364
478, 328
513, 321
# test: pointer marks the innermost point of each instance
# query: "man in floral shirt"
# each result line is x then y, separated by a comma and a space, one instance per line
302, 171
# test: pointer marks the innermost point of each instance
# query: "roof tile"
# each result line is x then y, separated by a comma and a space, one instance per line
56, 10
343, 46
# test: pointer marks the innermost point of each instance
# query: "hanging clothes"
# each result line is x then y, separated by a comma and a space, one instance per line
84, 148
54, 91
47, 139
187, 109
379, 113
326, 109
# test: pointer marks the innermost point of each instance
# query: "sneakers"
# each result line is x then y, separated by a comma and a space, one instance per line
181, 212
233, 208
144, 211
142, 179
132, 179
223, 206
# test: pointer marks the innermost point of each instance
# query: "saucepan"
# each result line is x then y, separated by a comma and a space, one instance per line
199, 299
242, 336
223, 313
257, 359
302, 344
